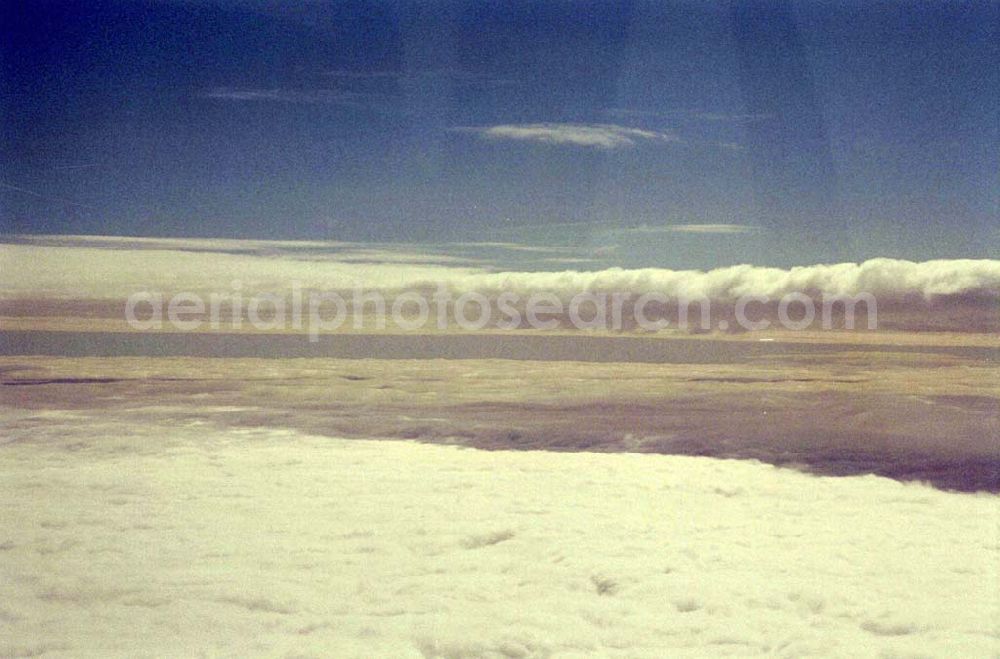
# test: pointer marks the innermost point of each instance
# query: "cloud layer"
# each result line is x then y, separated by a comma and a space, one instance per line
600, 136
941, 294
268, 542
111, 267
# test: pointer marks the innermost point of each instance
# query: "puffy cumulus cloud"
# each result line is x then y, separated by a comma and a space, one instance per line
171, 536
891, 278
601, 136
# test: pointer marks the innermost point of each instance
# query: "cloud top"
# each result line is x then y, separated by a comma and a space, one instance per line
889, 278
451, 569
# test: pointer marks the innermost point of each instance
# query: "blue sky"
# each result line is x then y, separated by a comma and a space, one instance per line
786, 133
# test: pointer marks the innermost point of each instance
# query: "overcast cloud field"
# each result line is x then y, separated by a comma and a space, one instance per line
177, 539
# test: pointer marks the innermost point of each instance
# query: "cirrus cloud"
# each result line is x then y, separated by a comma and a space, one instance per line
691, 228
600, 136
296, 96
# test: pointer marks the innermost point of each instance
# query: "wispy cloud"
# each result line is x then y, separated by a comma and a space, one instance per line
688, 114
631, 112
361, 75
692, 228
508, 246
570, 260
331, 96
600, 136
462, 76
17, 188
458, 76
39, 195
88, 165
734, 118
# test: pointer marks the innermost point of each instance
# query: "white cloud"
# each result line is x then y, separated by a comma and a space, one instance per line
632, 112
508, 246
361, 75
955, 295
734, 117
887, 278
712, 228
569, 260
89, 272
295, 545
331, 96
454, 76
119, 243
386, 256
67, 270
601, 136
718, 117
691, 228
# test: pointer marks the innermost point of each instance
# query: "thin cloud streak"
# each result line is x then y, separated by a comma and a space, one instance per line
687, 228
734, 118
456, 76
719, 117
38, 195
89, 165
330, 96
600, 136
711, 228
508, 246
360, 75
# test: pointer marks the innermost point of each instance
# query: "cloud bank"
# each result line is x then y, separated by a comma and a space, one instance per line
949, 290
891, 278
600, 136
67, 270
